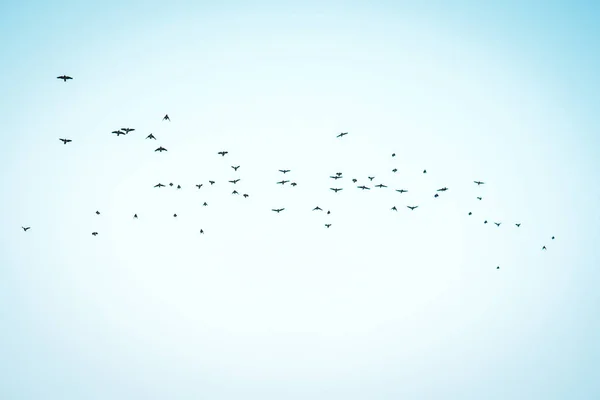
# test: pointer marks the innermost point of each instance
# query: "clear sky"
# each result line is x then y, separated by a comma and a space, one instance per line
382, 305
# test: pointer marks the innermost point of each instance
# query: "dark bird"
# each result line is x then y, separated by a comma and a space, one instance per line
282, 182
401, 190
363, 187
317, 208
205, 204
94, 233
436, 195
159, 185
284, 170
393, 154
25, 228
175, 215
354, 180
328, 212
166, 117
199, 186
338, 173
497, 223
412, 208
278, 210
65, 141
150, 136
223, 153
336, 189
171, 184
235, 168
424, 171
127, 130
552, 237
235, 192
479, 198
498, 267
381, 185
327, 225
543, 247
394, 208
64, 77
470, 213
371, 178
119, 133
97, 212
442, 189
518, 225
135, 216
293, 183
485, 222
178, 186
161, 149
211, 182
342, 134
335, 177
201, 231
234, 181
245, 195
479, 183
395, 170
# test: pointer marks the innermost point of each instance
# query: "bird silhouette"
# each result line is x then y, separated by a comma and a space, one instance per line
342, 134
65, 141
479, 198
135, 216
328, 212
317, 208
278, 210
159, 185
381, 185
64, 77
485, 222
424, 171
338, 173
393, 154
543, 247
470, 213
150, 136
401, 190
394, 170
371, 178
97, 212
327, 225
293, 183
442, 189
552, 237
245, 195
127, 130
497, 223
282, 182
222, 153
171, 184
336, 189
94, 233
412, 208
498, 267
119, 133
235, 168
479, 183
166, 117
436, 195
25, 228
201, 231
336, 177
204, 204
234, 181
175, 215
394, 208
199, 186
518, 225
161, 149
363, 187
211, 182
285, 171
235, 192
354, 180
178, 186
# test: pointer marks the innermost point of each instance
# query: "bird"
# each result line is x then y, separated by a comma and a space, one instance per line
178, 186
175, 215
94, 233
479, 183
317, 208
393, 154
498, 267
401, 190
234, 181
363, 187
245, 195
201, 231
336, 189
150, 136
64, 77
161, 149
285, 171
436, 195
424, 171
171, 184
235, 192
166, 117
222, 153
336, 177
328, 212
479, 198
199, 186
119, 133
211, 182
327, 225
97, 212
135, 216
293, 183
371, 177
65, 141
412, 208
395, 170
485, 222
381, 185
127, 130
342, 134
497, 223
204, 204
278, 210
470, 213
282, 182
354, 180
235, 168
442, 189
552, 237
394, 208
543, 247
159, 185
518, 225
25, 228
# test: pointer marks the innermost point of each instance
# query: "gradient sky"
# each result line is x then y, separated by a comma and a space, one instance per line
382, 305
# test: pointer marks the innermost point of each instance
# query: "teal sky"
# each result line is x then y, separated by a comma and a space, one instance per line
382, 305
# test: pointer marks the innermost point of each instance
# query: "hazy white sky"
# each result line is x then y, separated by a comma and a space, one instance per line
383, 304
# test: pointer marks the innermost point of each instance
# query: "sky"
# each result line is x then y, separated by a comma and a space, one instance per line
383, 304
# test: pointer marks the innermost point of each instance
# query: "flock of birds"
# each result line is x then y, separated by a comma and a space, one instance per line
335, 177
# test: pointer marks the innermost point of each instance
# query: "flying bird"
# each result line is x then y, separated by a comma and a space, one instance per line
178, 186
436, 195
284, 170
479, 198
395, 170
442, 189
175, 215
135, 216
64, 77
394, 208
278, 210
354, 180
293, 183
204, 204
235, 181
150, 136
95, 233
371, 177
412, 208
171, 184
235, 168
127, 130
317, 208
65, 141
161, 149
335, 177
201, 231
166, 117
518, 225
363, 187
119, 133
223, 153
25, 228
470, 213
199, 186
245, 195
159, 185
235, 192
485, 222
543, 247
327, 225
393, 154
97, 212
211, 182
479, 183
401, 190
342, 134
498, 267
381, 185
328, 212
424, 171
497, 223
282, 182
552, 237
336, 189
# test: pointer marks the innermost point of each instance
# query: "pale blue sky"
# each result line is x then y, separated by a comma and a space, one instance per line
382, 305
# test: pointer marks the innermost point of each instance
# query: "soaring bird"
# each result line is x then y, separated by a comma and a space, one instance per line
278, 210
235, 192
175, 215
328, 212
166, 117
342, 134
235, 181
282, 182
245, 195
363, 187
478, 198
543, 247
127, 130
161, 149
284, 170
442, 189
64, 77
479, 183
327, 225
371, 177
401, 190
498, 267
211, 182
470, 213
393, 154
25, 228
201, 231
222, 153
381, 185
395, 170
338, 173
97, 212
204, 204
394, 208
485, 222
150, 136
171, 184
178, 186
336, 189
436, 195
119, 133
65, 141
135, 216
159, 185
235, 168
335, 177
412, 208
199, 186
552, 237
497, 223
94, 233
424, 171
293, 183
354, 180
317, 208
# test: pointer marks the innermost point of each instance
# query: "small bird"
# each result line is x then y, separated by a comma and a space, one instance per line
222, 153
317, 208
245, 195
234, 181
393, 154
235, 192
552, 237
479, 198
485, 222
135, 216
395, 170
95, 233
336, 177
211, 182
119, 133
159, 185
381, 185
150, 136
127, 130
201, 231
97, 212
543, 247
412, 208
235, 168
327, 225
401, 190
278, 210
25, 228
371, 178
497, 223
424, 171
282, 182
336, 189
199, 186
205, 204
363, 187
342, 134
65, 141
166, 117
498, 267
442, 189
64, 77
178, 186
354, 180
394, 208
171, 184
175, 215
338, 173
479, 183
285, 171
436, 195
293, 183
161, 149
518, 225
328, 212
470, 213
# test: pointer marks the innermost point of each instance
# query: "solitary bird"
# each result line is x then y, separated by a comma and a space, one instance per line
234, 181
150, 136
235, 168
327, 225
401, 190
328, 212
395, 170
552, 237
159, 185
436, 195
470, 213
127, 130
161, 149
442, 189
222, 153
95, 233
278, 210
485, 222
204, 204
97, 212
479, 183
393, 154
317, 208
342, 134
479, 198
65, 141
171, 184
497, 223
293, 183
354, 180
178, 186
175, 215
166, 117
25, 228
64, 77
235, 192
394, 208
135, 216
543, 247
336, 189
245, 195
284, 170
518, 225
498, 267
424, 171
412, 208
338, 173
201, 231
